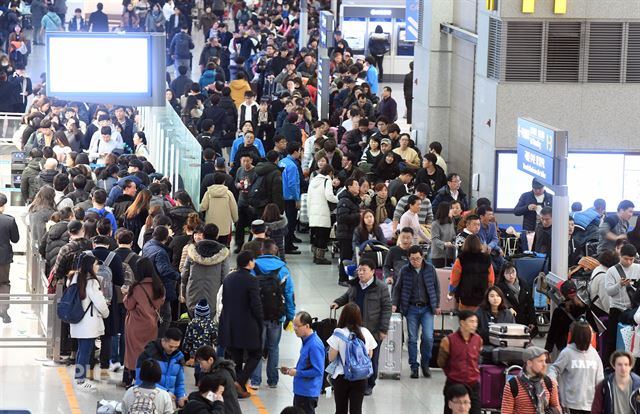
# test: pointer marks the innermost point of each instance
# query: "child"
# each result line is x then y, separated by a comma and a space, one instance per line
200, 331
147, 394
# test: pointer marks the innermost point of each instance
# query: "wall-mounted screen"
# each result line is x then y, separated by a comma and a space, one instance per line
610, 176
99, 66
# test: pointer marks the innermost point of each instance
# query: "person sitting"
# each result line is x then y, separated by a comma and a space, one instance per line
518, 296
369, 229
492, 310
150, 376
208, 399
221, 369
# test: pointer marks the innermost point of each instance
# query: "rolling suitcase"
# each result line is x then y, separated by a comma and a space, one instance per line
492, 381
509, 335
390, 362
446, 305
438, 335
508, 355
528, 268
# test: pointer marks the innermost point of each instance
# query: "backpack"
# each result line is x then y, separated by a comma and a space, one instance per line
181, 46
257, 195
513, 385
143, 403
272, 295
69, 307
129, 275
357, 364
105, 276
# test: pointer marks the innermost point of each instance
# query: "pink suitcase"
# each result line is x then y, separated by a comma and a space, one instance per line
446, 305
492, 381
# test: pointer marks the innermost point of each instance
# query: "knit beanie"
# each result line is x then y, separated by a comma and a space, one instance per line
202, 309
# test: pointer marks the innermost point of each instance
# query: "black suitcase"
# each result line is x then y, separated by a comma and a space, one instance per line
438, 334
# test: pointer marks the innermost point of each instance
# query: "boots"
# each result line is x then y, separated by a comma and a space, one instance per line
318, 257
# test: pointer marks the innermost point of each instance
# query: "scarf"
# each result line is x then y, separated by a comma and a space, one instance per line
515, 287
536, 391
381, 214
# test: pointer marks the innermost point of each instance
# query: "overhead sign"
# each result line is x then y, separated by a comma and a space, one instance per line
411, 14
538, 150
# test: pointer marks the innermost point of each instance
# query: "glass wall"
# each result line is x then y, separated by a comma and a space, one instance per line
173, 149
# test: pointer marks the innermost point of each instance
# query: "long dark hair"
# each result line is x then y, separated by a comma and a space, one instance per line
442, 213
146, 269
44, 199
85, 273
485, 302
362, 230
351, 318
271, 213
472, 244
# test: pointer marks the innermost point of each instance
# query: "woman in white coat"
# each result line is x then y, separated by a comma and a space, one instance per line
92, 325
320, 194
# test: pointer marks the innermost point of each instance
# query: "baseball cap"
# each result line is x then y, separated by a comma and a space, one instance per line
533, 352
385, 141
220, 162
536, 184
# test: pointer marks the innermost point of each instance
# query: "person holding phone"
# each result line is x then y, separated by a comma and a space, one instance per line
208, 398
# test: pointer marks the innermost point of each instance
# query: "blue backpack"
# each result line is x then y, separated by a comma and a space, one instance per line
70, 308
357, 364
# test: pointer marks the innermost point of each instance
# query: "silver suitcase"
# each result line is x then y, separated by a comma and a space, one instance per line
390, 361
509, 335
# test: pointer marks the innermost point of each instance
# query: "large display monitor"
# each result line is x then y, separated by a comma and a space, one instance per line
102, 67
610, 176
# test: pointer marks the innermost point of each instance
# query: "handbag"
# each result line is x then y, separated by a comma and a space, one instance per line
160, 318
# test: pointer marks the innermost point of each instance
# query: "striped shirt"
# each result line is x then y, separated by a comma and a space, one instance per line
522, 404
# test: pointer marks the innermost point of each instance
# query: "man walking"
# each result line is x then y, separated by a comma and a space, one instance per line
242, 319
180, 48
417, 296
8, 234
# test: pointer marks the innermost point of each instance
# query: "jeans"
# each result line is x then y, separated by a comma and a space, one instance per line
419, 317
182, 62
271, 343
117, 349
348, 395
83, 357
307, 404
371, 381
165, 314
291, 212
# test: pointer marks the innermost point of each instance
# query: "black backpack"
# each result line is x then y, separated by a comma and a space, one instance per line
257, 195
272, 295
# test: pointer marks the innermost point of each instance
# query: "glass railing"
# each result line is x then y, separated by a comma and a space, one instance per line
173, 149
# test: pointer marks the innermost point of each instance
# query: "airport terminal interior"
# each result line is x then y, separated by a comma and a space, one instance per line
487, 76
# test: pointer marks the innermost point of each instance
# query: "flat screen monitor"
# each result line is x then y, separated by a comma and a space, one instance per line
99, 67
611, 176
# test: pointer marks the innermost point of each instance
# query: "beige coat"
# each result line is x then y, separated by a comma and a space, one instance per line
221, 208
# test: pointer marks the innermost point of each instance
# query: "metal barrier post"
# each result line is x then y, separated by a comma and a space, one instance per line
54, 324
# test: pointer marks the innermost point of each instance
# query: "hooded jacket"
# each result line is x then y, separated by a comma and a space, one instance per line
206, 266
319, 195
52, 242
45, 177
290, 178
29, 184
238, 88
348, 214
266, 264
276, 230
171, 366
179, 215
220, 208
160, 256
273, 181
207, 78
603, 398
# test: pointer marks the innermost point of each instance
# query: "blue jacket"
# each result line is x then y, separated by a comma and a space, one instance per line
372, 79
489, 236
268, 263
404, 287
159, 255
238, 142
310, 367
207, 78
104, 213
529, 218
116, 190
586, 217
290, 179
171, 365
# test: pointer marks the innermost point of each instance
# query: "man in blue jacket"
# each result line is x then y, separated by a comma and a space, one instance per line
291, 194
531, 203
99, 200
308, 373
268, 263
180, 48
166, 351
416, 296
156, 250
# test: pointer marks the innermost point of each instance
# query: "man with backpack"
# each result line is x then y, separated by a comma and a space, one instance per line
99, 199
180, 48
532, 391
278, 306
270, 190
372, 297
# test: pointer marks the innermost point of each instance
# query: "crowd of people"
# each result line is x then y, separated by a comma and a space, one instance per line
167, 283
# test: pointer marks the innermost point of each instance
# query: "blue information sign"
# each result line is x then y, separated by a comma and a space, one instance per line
538, 165
536, 150
411, 14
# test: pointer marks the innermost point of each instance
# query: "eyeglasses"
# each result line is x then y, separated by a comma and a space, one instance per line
461, 402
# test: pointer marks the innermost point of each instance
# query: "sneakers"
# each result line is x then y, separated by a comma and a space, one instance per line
254, 386
85, 386
5, 317
273, 385
414, 373
114, 366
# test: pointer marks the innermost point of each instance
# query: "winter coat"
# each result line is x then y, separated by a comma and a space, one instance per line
113, 323
92, 324
348, 215
242, 317
107, 183
179, 215
290, 178
51, 243
171, 366
444, 194
377, 305
141, 322
120, 206
66, 259
276, 231
8, 234
207, 78
178, 43
529, 218
522, 304
603, 398
377, 44
206, 266
225, 371
38, 222
197, 404
159, 255
292, 132
273, 181
155, 22
29, 184
220, 207
238, 88
266, 264
38, 10
45, 177
319, 195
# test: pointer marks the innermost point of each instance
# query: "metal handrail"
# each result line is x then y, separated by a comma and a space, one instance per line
5, 119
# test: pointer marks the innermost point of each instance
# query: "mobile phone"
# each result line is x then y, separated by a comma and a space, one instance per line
284, 370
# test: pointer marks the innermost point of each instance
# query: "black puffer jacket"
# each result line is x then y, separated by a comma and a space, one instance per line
46, 178
273, 182
522, 303
120, 206
52, 242
348, 214
179, 217
197, 404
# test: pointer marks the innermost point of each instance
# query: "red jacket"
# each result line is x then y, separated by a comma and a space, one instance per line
463, 364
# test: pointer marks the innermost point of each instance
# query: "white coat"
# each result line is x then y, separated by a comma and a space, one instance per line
319, 195
92, 325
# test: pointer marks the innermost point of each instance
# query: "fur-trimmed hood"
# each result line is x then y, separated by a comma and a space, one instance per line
208, 252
